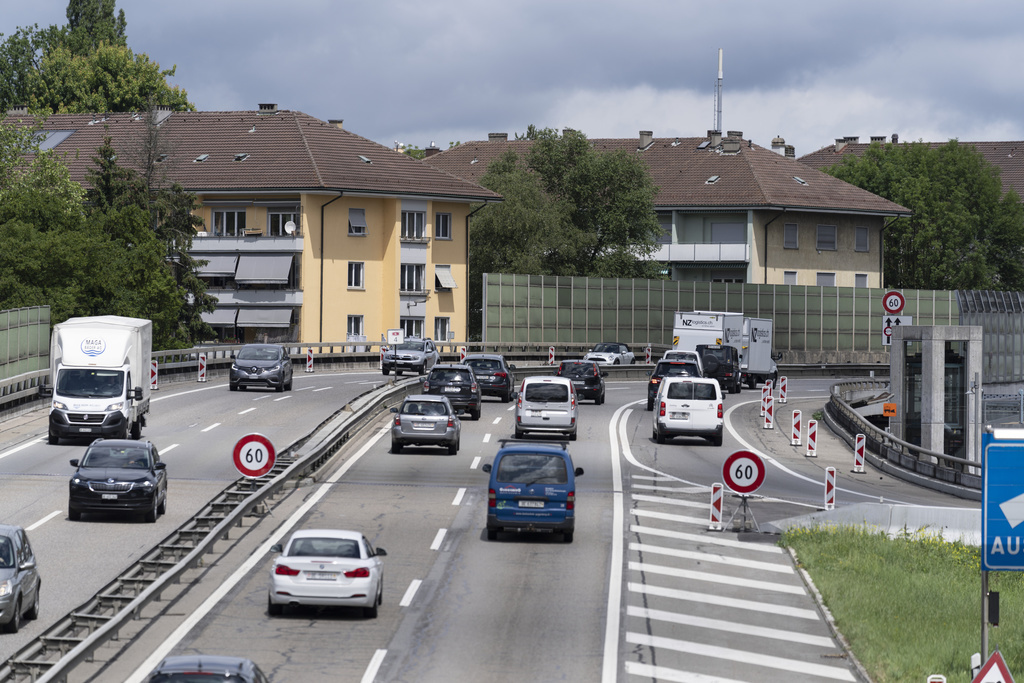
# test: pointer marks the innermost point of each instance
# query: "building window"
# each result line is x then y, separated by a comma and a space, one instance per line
441, 328
357, 222
791, 236
412, 225
728, 233
412, 327
826, 238
789, 277
355, 326
355, 275
229, 223
412, 277
665, 221
862, 240
443, 226
276, 220
860, 280
826, 280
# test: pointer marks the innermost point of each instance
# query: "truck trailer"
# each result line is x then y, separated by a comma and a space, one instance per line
99, 369
757, 359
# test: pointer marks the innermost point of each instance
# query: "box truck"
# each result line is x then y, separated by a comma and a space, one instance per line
757, 362
99, 369
707, 332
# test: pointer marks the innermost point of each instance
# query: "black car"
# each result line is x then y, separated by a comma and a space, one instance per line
261, 365
189, 668
495, 376
117, 475
458, 384
586, 376
668, 368
722, 362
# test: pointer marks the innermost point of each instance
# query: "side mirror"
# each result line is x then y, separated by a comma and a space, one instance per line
45, 390
394, 410
276, 548
604, 373
511, 367
137, 393
160, 466
381, 552
74, 462
578, 472
486, 467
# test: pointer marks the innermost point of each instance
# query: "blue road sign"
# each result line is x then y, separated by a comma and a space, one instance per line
1002, 500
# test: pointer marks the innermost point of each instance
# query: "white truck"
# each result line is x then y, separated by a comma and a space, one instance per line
706, 327
757, 361
99, 367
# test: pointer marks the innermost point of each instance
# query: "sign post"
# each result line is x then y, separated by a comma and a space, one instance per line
202, 367
744, 472
153, 374
254, 456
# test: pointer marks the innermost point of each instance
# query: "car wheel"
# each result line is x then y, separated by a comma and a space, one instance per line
506, 397
396, 447
136, 430
659, 437
615, 362
52, 439
33, 612
650, 404
242, 387
161, 509
370, 612
273, 609
492, 534
232, 387
288, 387
12, 625
453, 449
475, 414
385, 371
600, 399
73, 514
420, 370
279, 388
567, 536
150, 515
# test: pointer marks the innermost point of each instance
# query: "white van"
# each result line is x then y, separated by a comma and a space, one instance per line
688, 406
547, 404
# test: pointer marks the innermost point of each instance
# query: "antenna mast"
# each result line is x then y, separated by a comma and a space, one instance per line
718, 94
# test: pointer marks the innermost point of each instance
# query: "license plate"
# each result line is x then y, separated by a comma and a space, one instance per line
679, 416
535, 413
321, 576
85, 429
578, 382
108, 496
452, 390
531, 503
486, 378
423, 425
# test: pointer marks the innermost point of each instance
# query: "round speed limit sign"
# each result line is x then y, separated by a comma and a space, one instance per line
254, 455
893, 302
743, 472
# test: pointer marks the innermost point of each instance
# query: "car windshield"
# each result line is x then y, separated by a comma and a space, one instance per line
90, 383
265, 353
411, 346
691, 391
606, 348
323, 547
424, 408
484, 365
570, 369
542, 392
105, 456
532, 468
6, 553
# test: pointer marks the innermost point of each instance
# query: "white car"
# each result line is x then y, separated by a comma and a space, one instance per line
611, 353
327, 568
688, 406
688, 356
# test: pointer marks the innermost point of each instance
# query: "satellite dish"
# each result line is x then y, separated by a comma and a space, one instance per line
289, 227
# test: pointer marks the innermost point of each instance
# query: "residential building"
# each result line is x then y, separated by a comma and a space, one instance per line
311, 233
732, 211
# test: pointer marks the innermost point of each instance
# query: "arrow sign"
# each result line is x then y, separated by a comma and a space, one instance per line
1014, 510
891, 321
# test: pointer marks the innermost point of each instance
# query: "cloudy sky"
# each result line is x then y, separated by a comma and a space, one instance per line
455, 70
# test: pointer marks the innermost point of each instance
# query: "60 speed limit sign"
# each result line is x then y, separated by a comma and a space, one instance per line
254, 455
743, 472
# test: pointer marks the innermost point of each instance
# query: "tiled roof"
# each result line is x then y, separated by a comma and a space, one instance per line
1008, 157
752, 178
287, 151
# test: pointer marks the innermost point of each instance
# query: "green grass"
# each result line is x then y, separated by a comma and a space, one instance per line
910, 606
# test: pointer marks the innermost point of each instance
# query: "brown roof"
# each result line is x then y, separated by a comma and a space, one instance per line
1008, 157
287, 151
752, 178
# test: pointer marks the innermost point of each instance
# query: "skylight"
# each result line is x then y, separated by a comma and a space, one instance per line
712, 180
800, 180
162, 157
201, 158
365, 160
241, 157
704, 144
51, 138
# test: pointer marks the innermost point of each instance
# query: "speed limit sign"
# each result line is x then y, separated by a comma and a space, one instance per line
254, 455
893, 302
743, 472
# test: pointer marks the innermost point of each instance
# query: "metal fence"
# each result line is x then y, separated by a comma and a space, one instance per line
24, 340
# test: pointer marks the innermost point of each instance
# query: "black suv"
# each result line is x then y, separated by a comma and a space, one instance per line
722, 362
495, 376
586, 376
668, 368
117, 475
458, 384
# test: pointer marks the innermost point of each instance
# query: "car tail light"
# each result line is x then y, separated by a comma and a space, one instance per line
361, 573
719, 410
572, 398
472, 387
570, 500
285, 570
426, 387
661, 410
451, 421
596, 372
655, 380
398, 421
492, 499
502, 375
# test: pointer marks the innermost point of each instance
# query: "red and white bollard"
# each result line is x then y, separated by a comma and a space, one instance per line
202, 367
463, 354
830, 488
716, 508
782, 390
858, 454
769, 413
152, 374
383, 350
812, 438
765, 391
309, 359
647, 355
551, 355
796, 428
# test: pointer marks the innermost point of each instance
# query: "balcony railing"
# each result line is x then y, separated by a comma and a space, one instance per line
690, 253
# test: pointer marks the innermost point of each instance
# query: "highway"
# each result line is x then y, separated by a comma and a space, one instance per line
644, 592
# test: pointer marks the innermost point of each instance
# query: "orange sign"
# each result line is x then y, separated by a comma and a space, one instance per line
889, 409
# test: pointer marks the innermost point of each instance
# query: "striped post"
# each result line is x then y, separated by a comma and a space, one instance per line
782, 389
551, 355
830, 488
769, 413
858, 454
152, 374
202, 367
812, 438
765, 391
309, 359
463, 354
716, 508
796, 428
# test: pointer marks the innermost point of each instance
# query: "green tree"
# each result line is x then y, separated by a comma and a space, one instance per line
91, 22
965, 232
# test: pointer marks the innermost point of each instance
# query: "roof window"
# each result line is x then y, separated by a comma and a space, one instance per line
161, 158
712, 180
799, 180
201, 158
241, 157
365, 160
703, 144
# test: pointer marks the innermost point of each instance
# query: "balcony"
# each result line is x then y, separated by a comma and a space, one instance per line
205, 244
703, 253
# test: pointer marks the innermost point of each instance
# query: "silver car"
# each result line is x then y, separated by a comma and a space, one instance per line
412, 355
547, 404
425, 420
261, 365
19, 578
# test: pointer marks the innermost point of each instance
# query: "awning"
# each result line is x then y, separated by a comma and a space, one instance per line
222, 317
264, 317
218, 264
443, 275
263, 268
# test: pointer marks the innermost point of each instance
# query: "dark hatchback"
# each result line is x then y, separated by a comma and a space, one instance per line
495, 376
261, 365
586, 376
668, 368
458, 384
119, 476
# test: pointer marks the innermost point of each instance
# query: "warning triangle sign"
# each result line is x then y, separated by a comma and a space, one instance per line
994, 671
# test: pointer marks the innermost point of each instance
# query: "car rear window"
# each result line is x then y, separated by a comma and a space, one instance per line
424, 408
532, 468
542, 392
484, 365
324, 547
691, 391
451, 376
676, 370
576, 369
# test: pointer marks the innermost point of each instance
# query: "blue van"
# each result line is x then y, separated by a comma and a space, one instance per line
532, 488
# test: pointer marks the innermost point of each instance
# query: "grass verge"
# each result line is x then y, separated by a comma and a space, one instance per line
910, 606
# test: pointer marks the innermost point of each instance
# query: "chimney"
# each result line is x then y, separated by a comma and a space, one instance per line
840, 145
715, 136
496, 137
895, 139
337, 123
880, 139
852, 139
735, 134
18, 110
646, 138
790, 152
779, 145
432, 150
268, 108
731, 145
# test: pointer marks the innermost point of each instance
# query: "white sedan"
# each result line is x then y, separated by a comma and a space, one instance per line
611, 353
327, 568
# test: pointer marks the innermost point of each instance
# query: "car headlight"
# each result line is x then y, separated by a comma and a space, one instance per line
234, 366
146, 484
59, 406
5, 589
275, 368
114, 406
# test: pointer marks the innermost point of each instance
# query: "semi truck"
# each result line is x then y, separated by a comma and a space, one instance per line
99, 369
757, 362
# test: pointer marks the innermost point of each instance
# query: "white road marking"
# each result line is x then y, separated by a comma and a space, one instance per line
496, 420
169, 448
743, 563
487, 437
663, 673
213, 426
670, 501
22, 447
283, 398
666, 489
638, 512
374, 666
732, 603
409, 593
706, 539
511, 407
44, 520
610, 657
476, 462
730, 627
712, 577
322, 389
304, 389
247, 410
458, 497
438, 539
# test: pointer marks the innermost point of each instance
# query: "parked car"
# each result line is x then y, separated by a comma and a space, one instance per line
532, 488
192, 668
496, 377
668, 368
586, 376
611, 353
425, 420
263, 365
688, 406
547, 404
327, 568
689, 356
458, 384
722, 362
19, 578
413, 355
118, 475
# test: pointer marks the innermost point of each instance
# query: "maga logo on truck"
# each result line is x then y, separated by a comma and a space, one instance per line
93, 347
